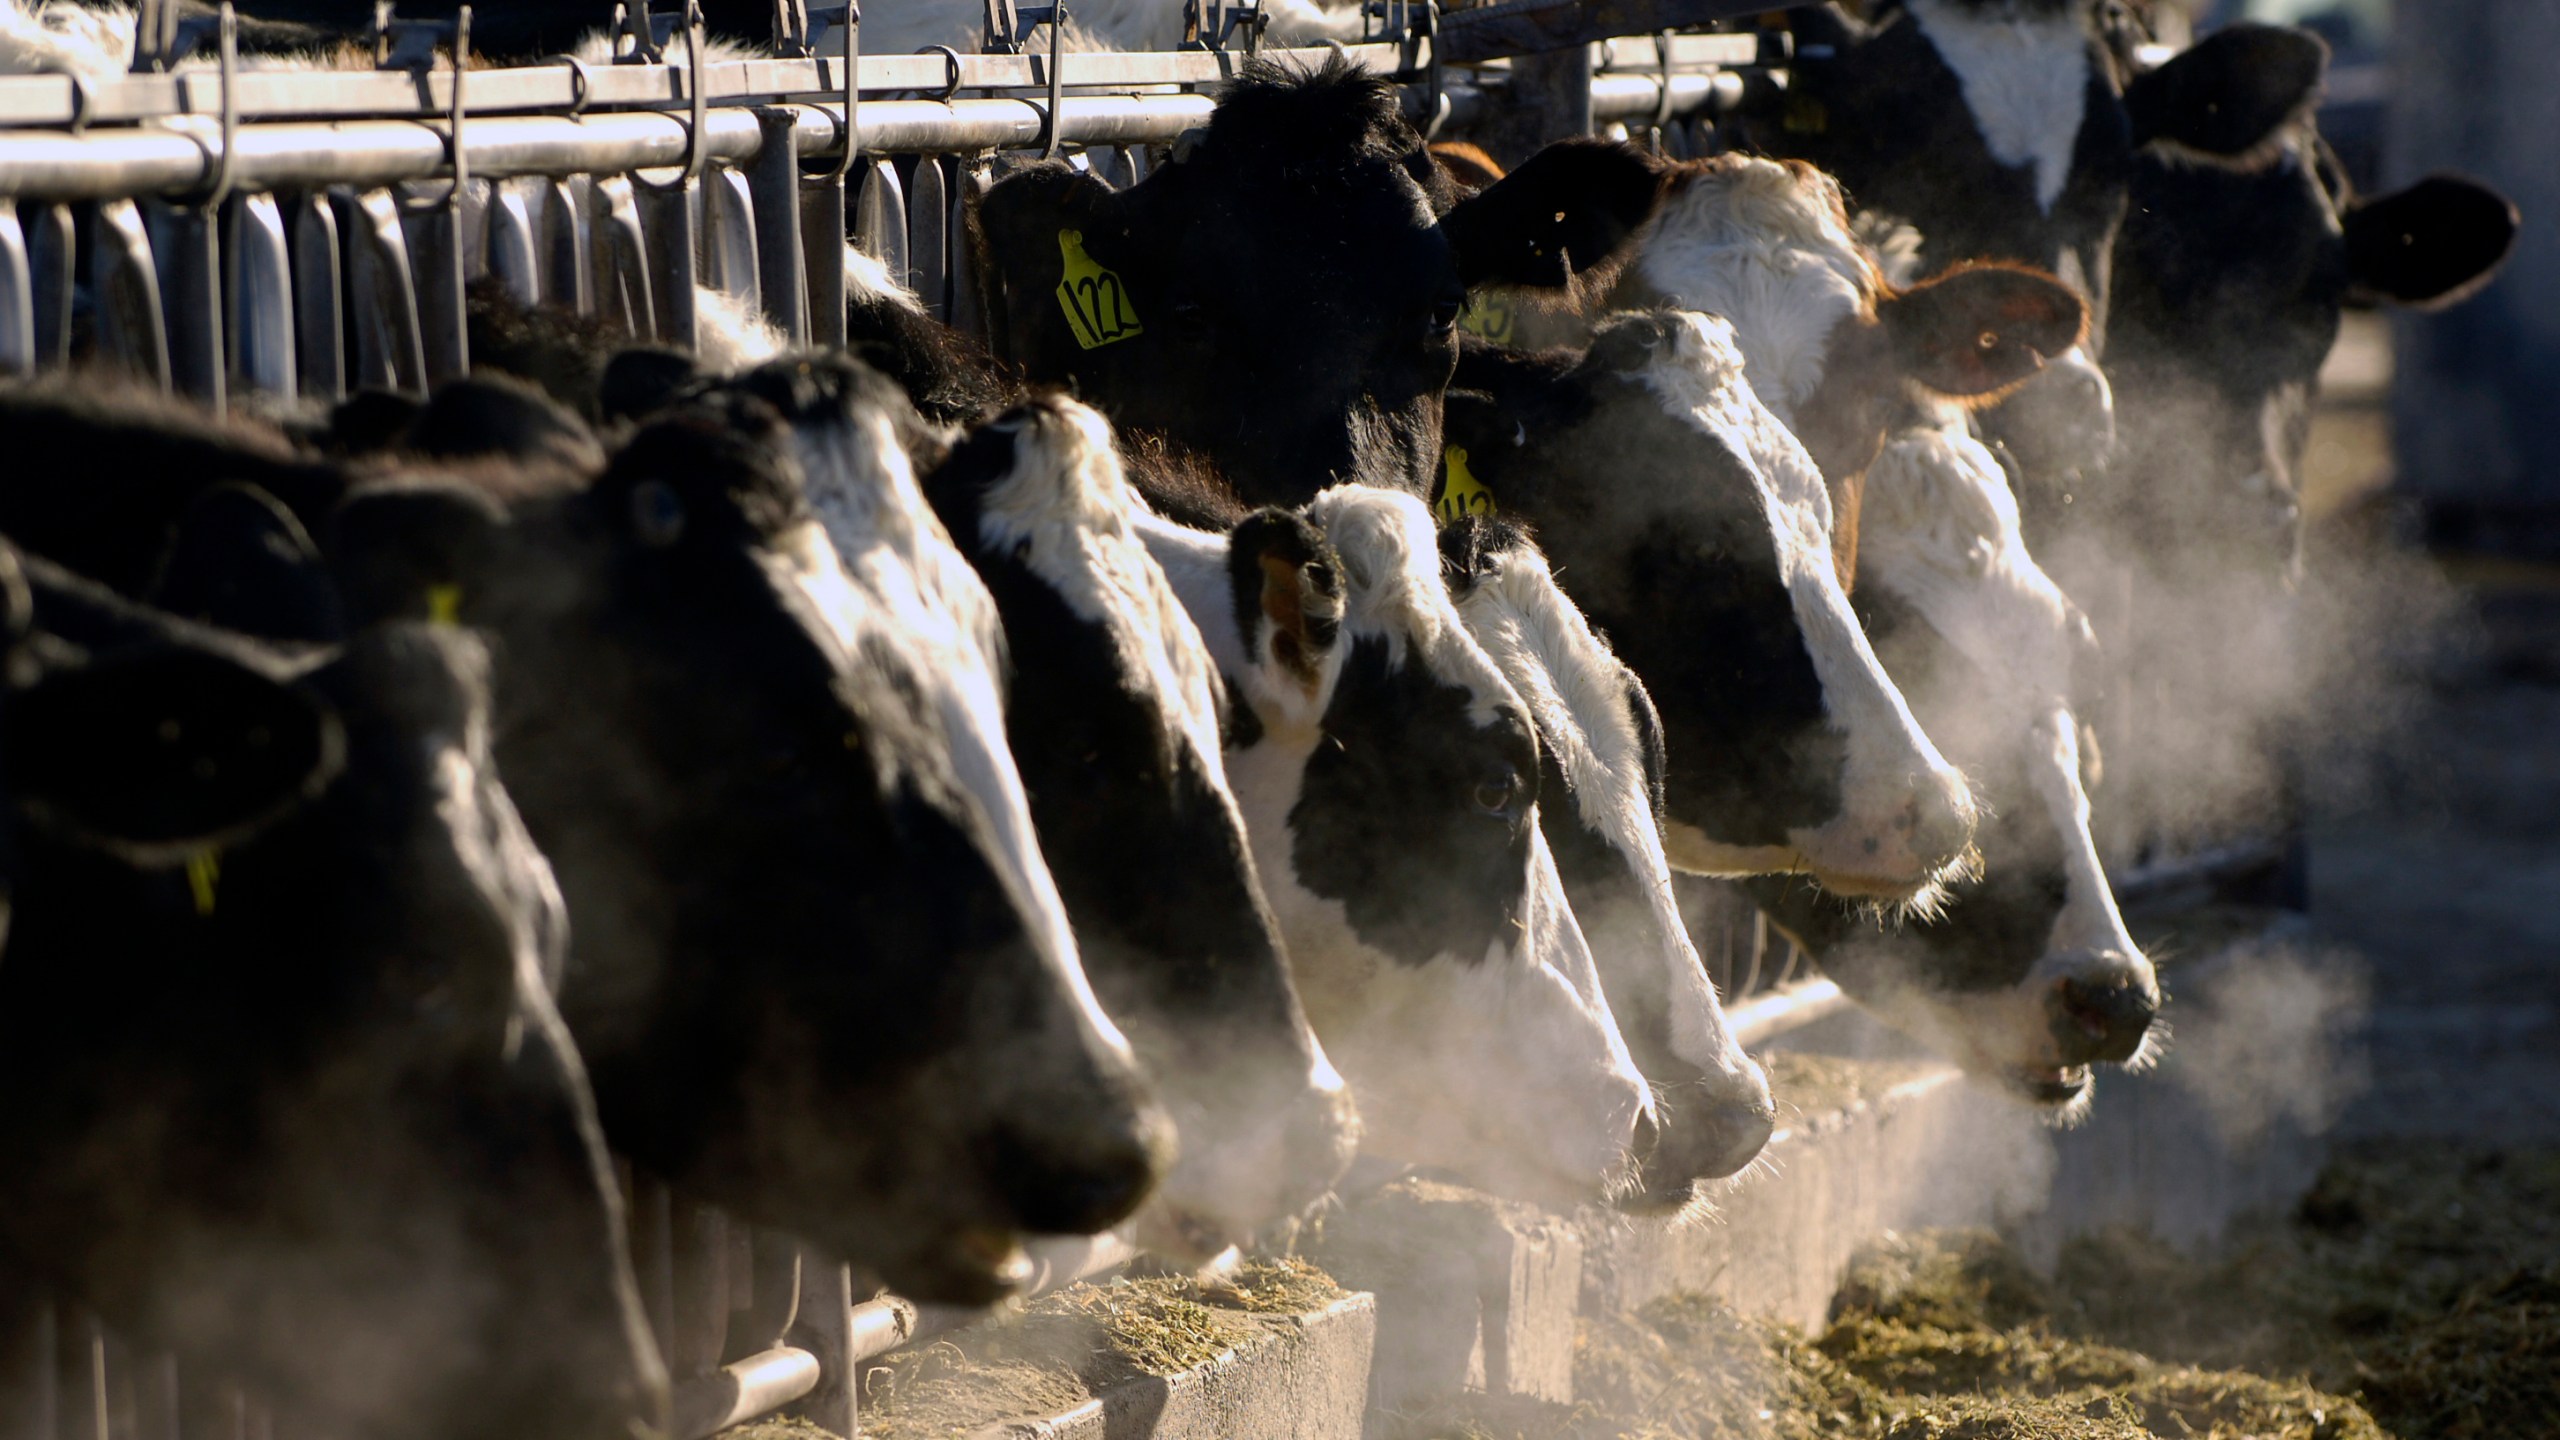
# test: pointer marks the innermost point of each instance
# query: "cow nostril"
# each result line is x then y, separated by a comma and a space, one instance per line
1646, 1136
1057, 1188
2101, 1020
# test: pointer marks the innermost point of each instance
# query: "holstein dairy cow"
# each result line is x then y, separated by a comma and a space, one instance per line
2006, 129
1601, 764
1389, 778
1283, 296
2231, 274
2024, 973
1116, 712
1694, 529
740, 761
293, 1099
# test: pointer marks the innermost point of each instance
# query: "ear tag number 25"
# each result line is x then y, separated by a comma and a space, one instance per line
1097, 304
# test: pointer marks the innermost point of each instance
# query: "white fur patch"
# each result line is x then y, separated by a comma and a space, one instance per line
1391, 562
1941, 532
1576, 692
1067, 510
882, 570
730, 335
2025, 78
1765, 246
50, 38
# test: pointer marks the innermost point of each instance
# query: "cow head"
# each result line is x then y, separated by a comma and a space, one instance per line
318, 1127
1389, 778
1600, 749
1115, 711
1697, 533
2231, 277
811, 974
1830, 348
2025, 974
1284, 295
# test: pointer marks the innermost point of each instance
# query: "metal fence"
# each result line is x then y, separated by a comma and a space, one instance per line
227, 232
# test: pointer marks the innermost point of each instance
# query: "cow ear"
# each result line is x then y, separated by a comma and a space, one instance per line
2229, 93
240, 560
641, 380
414, 552
1976, 331
2431, 245
1028, 228
1568, 208
1288, 594
159, 752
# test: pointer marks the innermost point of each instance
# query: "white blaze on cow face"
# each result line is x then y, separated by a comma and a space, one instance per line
881, 572
1900, 799
1715, 1109
1461, 1003
1942, 538
2024, 69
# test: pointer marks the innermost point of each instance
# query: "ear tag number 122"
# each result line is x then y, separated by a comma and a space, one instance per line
1097, 304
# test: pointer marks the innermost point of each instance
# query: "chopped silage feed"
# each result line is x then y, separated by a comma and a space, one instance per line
2413, 1293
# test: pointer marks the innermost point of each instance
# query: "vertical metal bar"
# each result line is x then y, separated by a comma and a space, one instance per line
190, 271
512, 248
131, 332
319, 304
968, 297
52, 257
880, 218
825, 1329
17, 298
259, 279
929, 237
433, 231
774, 184
822, 239
621, 254
667, 219
771, 1280
729, 237
566, 280
390, 353
701, 1291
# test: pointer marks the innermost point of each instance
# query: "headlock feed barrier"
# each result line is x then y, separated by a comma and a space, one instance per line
225, 232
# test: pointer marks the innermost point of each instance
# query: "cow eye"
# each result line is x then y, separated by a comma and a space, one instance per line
1495, 794
1444, 315
657, 513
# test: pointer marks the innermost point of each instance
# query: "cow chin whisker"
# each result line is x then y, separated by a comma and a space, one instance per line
2154, 1047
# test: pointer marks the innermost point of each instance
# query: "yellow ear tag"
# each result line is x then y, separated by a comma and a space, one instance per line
1097, 304
204, 878
444, 604
1490, 315
1461, 493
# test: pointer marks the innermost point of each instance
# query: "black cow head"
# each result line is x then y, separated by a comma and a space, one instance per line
1115, 714
1284, 295
297, 1104
805, 991
2231, 279
1696, 533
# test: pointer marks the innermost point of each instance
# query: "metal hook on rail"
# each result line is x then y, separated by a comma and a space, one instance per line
852, 60
1057, 30
697, 134
951, 63
581, 84
225, 160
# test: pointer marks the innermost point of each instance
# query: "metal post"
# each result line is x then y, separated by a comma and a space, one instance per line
51, 259
968, 295
319, 301
131, 330
621, 257
190, 256
17, 298
774, 184
825, 1329
880, 218
390, 353
666, 220
728, 238
259, 278
701, 1291
822, 240
929, 237
513, 250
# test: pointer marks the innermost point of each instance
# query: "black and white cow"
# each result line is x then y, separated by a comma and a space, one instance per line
1113, 713
2231, 275
1601, 765
2024, 973
2006, 129
1389, 778
291, 1098
1283, 296
1697, 533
